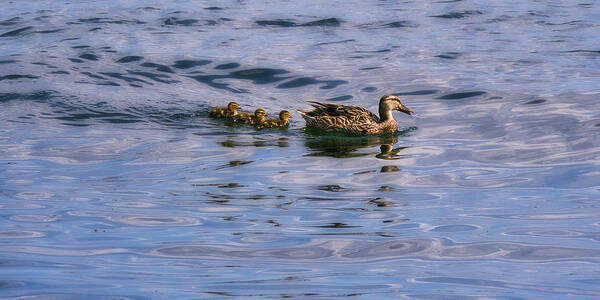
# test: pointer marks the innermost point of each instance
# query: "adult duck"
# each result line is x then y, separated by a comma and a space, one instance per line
353, 119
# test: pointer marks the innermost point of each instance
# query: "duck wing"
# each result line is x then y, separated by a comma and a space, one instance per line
336, 110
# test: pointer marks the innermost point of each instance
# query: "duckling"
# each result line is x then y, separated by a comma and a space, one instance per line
353, 119
282, 121
248, 118
224, 112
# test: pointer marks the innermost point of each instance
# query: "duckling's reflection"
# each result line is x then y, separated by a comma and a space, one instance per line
344, 147
279, 142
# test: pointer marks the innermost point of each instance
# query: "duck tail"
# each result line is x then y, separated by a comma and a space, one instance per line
304, 115
316, 104
302, 112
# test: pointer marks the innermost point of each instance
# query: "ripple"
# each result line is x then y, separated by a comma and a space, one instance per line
454, 228
537, 101
60, 177
34, 195
461, 95
188, 63
14, 234
340, 98
304, 81
17, 76
20, 181
298, 82
262, 238
227, 66
156, 77
10, 22
83, 294
565, 216
259, 75
221, 209
379, 216
177, 21
21, 206
587, 52
458, 14
89, 56
331, 22
127, 59
501, 284
449, 55
34, 218
471, 281
395, 248
128, 79
548, 233
17, 32
278, 22
158, 67
294, 254
541, 253
143, 220
399, 24
140, 220
417, 93
132, 204
11, 284
97, 20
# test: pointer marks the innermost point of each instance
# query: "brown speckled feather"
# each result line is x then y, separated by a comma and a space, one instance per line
330, 109
350, 119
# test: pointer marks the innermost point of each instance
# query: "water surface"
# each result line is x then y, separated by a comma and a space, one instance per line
113, 183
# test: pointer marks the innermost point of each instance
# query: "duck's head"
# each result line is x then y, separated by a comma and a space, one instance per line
232, 106
284, 115
392, 102
260, 113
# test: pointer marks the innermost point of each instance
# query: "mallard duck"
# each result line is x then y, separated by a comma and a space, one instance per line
282, 121
249, 118
353, 119
224, 112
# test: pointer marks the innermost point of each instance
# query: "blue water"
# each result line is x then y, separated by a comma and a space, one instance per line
115, 184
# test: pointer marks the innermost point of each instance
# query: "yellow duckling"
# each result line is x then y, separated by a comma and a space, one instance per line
282, 121
224, 112
248, 118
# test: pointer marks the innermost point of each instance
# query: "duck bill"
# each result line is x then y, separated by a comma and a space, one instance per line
405, 110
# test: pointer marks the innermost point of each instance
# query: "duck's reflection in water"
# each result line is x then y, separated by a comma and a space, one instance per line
344, 147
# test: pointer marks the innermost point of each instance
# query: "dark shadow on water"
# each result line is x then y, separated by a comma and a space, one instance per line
131, 58
329, 22
458, 14
461, 95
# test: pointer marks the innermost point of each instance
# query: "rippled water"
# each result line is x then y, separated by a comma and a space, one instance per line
113, 183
